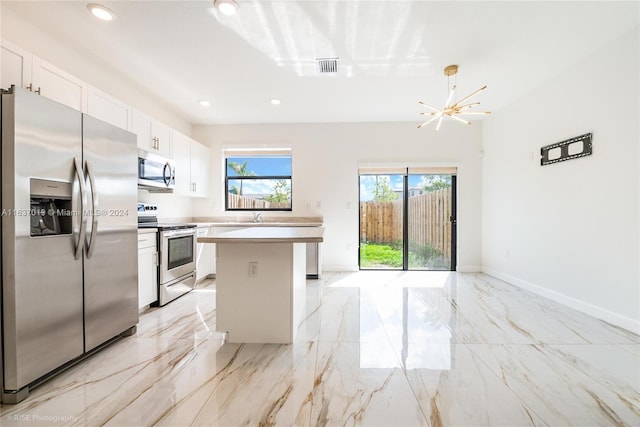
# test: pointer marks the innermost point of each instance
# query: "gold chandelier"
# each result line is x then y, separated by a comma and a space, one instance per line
456, 109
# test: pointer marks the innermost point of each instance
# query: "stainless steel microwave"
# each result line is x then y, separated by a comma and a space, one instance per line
155, 172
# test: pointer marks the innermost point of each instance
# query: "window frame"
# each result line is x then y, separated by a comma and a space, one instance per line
263, 154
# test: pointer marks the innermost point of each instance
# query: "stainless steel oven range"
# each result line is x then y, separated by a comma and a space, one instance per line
177, 255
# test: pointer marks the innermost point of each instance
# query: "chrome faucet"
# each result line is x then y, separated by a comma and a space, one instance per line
257, 217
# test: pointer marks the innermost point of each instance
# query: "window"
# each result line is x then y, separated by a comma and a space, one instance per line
258, 180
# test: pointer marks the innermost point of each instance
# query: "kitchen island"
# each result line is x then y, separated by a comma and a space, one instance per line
261, 281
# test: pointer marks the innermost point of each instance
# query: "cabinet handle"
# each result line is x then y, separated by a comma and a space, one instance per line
30, 88
155, 258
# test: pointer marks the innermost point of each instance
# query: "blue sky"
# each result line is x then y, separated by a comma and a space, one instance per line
264, 166
260, 166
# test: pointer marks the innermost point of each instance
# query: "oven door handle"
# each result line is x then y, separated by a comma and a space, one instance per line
178, 233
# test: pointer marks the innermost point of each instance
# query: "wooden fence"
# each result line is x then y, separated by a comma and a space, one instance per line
428, 215
241, 202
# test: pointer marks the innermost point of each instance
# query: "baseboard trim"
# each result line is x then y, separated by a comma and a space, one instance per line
616, 319
468, 269
341, 268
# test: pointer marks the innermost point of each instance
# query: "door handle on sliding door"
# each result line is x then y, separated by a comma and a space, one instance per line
91, 243
83, 202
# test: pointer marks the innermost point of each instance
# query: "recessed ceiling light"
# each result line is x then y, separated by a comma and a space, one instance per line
204, 103
226, 7
274, 101
101, 12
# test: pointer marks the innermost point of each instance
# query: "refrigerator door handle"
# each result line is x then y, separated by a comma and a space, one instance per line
83, 202
94, 210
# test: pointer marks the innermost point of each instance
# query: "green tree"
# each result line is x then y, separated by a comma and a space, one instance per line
241, 170
436, 182
281, 192
382, 191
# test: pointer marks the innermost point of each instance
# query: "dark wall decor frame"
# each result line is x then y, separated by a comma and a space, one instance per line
587, 149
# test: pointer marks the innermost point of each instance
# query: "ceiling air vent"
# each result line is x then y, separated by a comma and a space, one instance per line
327, 65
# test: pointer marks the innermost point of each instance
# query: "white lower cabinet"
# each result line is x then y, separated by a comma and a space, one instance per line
205, 262
147, 269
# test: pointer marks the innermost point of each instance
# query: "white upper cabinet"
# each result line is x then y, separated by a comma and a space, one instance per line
52, 82
106, 108
152, 136
22, 69
200, 169
192, 166
15, 66
182, 157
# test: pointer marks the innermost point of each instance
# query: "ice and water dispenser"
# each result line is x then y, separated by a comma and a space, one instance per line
51, 211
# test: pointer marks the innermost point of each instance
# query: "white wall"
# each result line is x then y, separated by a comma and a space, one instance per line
325, 172
570, 230
95, 70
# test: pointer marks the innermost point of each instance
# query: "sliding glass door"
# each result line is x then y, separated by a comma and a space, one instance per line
407, 219
430, 218
382, 221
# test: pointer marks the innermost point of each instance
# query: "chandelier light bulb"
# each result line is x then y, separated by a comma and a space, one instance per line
454, 110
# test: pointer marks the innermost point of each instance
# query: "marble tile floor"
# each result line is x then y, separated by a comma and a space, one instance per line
375, 349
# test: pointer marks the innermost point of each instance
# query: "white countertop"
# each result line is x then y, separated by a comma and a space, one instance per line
266, 234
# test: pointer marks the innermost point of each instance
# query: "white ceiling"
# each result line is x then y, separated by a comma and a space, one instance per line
392, 53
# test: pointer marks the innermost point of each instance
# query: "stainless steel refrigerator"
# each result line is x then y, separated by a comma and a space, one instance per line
69, 238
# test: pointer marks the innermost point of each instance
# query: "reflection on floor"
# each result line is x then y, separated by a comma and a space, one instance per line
376, 348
